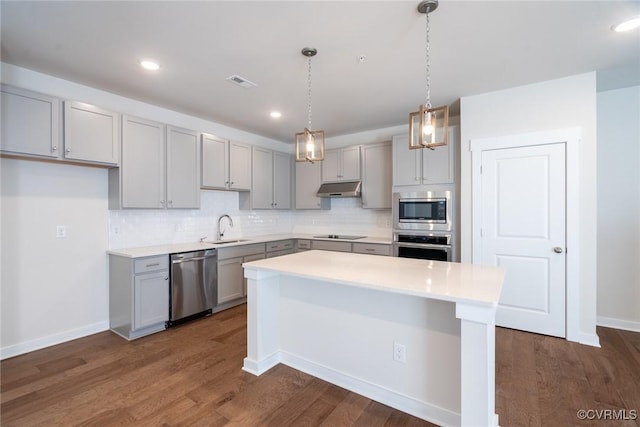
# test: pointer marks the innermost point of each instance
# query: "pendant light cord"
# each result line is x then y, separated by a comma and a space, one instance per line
309, 94
428, 62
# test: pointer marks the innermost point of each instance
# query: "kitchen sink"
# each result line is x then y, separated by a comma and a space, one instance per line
222, 242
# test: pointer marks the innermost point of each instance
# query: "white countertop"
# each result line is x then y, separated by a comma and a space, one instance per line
173, 248
446, 281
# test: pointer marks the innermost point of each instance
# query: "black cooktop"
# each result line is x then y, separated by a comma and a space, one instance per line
339, 236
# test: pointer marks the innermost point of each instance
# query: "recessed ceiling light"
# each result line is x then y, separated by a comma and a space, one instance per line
275, 114
149, 64
628, 25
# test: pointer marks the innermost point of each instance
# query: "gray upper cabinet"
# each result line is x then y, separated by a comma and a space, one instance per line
226, 165
270, 181
33, 125
91, 134
30, 123
424, 166
183, 169
341, 164
239, 166
215, 162
307, 181
160, 167
281, 180
376, 176
142, 163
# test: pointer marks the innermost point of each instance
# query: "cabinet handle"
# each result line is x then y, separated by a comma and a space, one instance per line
232, 182
170, 203
54, 148
162, 202
68, 150
369, 249
166, 277
155, 264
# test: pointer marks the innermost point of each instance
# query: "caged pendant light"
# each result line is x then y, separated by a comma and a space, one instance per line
428, 125
309, 143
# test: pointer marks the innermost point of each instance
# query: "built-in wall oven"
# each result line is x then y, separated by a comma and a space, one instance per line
423, 225
423, 246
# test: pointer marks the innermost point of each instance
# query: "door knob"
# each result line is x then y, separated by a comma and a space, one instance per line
557, 250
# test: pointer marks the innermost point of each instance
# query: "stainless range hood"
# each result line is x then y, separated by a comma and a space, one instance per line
340, 189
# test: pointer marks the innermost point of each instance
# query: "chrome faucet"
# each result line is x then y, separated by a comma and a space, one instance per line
220, 234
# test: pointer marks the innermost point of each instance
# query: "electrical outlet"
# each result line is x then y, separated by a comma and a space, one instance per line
61, 231
399, 352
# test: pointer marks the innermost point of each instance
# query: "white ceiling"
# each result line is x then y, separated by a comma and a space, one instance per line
476, 46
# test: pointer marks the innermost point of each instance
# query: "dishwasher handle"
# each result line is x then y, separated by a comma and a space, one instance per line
193, 256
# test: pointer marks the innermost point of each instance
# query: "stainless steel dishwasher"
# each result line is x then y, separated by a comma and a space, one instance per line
194, 285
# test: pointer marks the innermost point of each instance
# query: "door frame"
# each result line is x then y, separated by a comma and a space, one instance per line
570, 137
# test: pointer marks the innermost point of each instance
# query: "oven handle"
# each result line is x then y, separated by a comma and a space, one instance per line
445, 248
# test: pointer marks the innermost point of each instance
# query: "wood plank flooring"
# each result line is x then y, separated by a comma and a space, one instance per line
191, 375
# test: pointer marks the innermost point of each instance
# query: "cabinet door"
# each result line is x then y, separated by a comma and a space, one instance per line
183, 169
307, 181
350, 164
376, 177
262, 180
230, 280
142, 163
438, 164
30, 123
215, 165
239, 166
91, 133
407, 164
281, 180
331, 166
151, 299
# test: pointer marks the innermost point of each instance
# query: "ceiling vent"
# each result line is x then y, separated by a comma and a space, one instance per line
241, 81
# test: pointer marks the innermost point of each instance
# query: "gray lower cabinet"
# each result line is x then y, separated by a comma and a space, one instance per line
138, 295
279, 248
231, 283
325, 245
372, 249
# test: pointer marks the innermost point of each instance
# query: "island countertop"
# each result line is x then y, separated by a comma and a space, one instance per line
446, 281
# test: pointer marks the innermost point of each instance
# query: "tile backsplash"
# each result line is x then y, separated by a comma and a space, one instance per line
141, 227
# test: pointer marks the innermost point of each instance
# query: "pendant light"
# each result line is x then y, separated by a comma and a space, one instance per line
309, 143
428, 125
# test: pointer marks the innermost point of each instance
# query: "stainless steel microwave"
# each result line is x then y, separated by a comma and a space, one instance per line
425, 210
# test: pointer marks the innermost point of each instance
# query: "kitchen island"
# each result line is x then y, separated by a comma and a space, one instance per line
416, 335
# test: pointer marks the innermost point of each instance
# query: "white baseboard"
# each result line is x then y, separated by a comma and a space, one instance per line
423, 410
610, 322
260, 367
589, 339
39, 343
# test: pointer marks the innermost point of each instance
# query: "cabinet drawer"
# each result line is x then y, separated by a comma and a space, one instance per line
279, 253
143, 265
240, 251
279, 245
304, 244
331, 246
373, 249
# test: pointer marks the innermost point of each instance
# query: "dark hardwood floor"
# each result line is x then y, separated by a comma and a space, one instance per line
190, 375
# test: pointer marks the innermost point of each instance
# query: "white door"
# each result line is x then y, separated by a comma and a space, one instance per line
523, 208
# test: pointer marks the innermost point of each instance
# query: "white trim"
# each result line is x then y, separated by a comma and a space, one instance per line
260, 367
611, 322
571, 138
423, 410
59, 338
589, 339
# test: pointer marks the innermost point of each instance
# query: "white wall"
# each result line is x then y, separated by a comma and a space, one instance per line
563, 103
619, 208
52, 289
